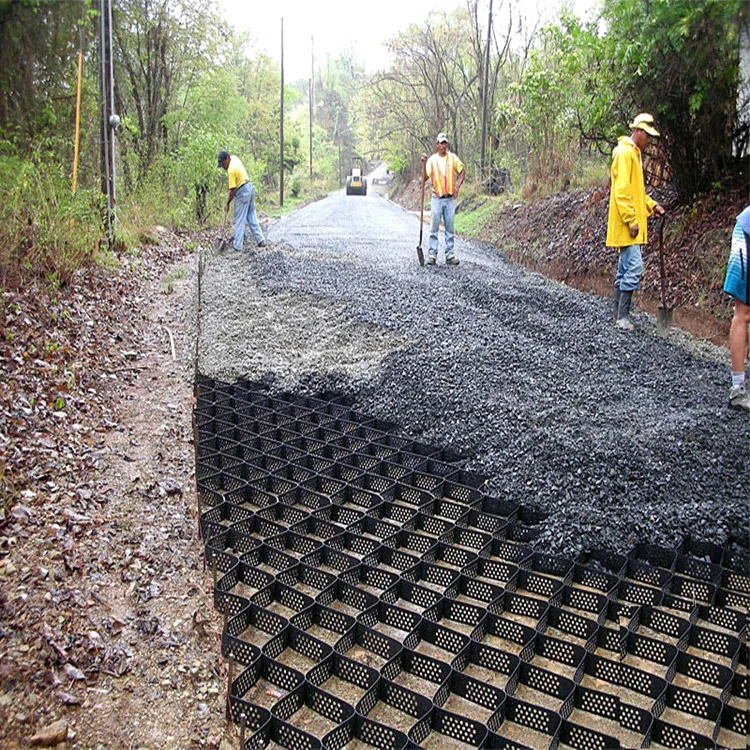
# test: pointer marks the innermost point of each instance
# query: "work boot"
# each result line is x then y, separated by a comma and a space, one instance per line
623, 312
431, 260
453, 261
616, 306
739, 398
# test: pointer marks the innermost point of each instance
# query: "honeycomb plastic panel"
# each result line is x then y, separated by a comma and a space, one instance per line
374, 594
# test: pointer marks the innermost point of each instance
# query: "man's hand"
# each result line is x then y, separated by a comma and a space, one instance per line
634, 230
425, 157
658, 209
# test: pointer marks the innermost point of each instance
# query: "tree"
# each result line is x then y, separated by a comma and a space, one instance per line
680, 61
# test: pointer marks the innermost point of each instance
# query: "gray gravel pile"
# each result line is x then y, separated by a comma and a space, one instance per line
618, 438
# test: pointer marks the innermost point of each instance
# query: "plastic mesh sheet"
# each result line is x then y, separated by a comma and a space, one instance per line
375, 595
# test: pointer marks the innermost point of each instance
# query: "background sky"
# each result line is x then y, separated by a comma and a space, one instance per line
338, 25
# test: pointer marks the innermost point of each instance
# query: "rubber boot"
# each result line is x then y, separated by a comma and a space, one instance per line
616, 306
623, 312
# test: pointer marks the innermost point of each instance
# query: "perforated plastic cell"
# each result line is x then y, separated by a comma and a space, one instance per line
490, 658
604, 560
435, 527
725, 618
422, 666
293, 544
650, 649
424, 481
735, 719
525, 606
714, 642
509, 551
434, 466
393, 558
412, 542
679, 738
399, 515
476, 519
383, 476
271, 557
733, 600
546, 681
694, 591
372, 526
576, 625
639, 593
534, 717
583, 738
625, 676
413, 593
560, 651
291, 737
456, 557
452, 726
378, 735
354, 544
676, 628
693, 702
551, 589
256, 722
509, 629
253, 616
589, 577
284, 595
437, 576
476, 691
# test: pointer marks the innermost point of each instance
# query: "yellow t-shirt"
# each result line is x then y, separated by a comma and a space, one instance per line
236, 173
442, 170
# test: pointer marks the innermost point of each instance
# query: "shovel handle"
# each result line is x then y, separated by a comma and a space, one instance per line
662, 265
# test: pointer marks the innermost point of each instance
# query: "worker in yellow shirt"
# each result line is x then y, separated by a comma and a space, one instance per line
447, 173
242, 192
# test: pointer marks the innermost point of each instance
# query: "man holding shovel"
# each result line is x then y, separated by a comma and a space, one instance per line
629, 209
447, 173
242, 192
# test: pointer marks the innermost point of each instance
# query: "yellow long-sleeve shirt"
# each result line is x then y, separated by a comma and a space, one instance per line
628, 202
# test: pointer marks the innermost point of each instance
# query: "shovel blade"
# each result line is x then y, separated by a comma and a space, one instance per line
420, 255
663, 321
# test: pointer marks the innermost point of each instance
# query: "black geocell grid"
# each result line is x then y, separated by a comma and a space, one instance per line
374, 595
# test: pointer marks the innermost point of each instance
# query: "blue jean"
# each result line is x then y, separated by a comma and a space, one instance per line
629, 268
445, 209
244, 213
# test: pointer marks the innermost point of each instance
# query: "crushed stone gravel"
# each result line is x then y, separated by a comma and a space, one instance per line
617, 438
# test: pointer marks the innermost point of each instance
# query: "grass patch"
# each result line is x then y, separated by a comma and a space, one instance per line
476, 211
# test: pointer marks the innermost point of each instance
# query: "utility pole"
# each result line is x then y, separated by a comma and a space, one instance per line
484, 94
281, 123
109, 120
312, 94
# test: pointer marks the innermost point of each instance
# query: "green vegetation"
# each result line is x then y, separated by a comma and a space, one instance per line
558, 97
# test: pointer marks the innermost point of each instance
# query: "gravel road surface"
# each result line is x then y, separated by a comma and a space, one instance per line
618, 438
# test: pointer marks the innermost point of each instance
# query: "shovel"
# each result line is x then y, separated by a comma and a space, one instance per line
420, 253
221, 240
663, 313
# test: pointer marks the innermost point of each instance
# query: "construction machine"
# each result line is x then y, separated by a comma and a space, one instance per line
356, 182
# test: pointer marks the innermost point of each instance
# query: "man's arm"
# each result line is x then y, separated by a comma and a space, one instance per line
230, 198
459, 182
425, 176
